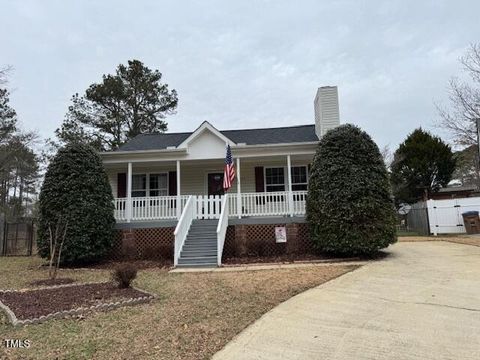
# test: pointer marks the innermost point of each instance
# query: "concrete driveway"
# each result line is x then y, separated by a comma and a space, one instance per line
421, 302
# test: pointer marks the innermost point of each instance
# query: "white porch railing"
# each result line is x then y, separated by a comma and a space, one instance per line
269, 204
299, 202
181, 231
149, 208
222, 228
209, 207
120, 212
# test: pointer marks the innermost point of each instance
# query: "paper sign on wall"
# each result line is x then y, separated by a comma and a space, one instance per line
280, 234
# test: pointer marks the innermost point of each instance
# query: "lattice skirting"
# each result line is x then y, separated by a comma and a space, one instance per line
259, 241
240, 241
144, 244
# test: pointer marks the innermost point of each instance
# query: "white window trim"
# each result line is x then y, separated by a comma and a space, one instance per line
285, 176
265, 177
306, 173
147, 174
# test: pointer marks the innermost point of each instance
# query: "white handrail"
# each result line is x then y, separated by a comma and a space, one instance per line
222, 229
183, 227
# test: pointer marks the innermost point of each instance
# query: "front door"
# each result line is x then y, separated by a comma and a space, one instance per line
215, 184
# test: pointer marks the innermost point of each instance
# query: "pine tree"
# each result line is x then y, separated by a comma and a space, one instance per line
133, 101
421, 165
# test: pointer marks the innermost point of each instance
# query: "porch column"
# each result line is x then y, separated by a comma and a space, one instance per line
179, 205
239, 192
129, 192
290, 195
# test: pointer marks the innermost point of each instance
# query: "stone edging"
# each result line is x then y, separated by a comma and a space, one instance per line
77, 311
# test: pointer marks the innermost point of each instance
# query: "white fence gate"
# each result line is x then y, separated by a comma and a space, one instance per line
445, 216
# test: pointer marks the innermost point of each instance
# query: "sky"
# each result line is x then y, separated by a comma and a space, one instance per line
244, 64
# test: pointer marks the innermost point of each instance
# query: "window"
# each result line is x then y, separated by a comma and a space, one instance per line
299, 178
275, 179
139, 185
157, 185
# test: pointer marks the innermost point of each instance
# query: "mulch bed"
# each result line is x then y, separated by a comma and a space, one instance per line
51, 282
29, 304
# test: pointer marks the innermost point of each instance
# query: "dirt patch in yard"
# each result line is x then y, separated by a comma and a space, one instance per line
466, 240
287, 259
31, 304
417, 238
454, 238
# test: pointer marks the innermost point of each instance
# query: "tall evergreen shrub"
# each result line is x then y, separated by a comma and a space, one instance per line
350, 207
77, 193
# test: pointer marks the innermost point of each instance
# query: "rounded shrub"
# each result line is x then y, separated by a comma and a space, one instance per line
350, 207
76, 193
123, 275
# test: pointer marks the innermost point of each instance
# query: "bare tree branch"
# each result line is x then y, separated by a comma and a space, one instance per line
460, 118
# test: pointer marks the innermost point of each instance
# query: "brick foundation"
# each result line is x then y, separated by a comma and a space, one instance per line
245, 240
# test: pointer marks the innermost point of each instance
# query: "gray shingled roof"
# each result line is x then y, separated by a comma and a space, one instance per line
281, 135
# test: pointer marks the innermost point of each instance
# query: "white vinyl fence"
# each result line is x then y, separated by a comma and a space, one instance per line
445, 216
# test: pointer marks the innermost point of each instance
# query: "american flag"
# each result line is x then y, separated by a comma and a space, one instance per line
229, 173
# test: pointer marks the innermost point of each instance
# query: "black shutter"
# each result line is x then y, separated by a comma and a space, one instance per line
172, 183
259, 180
121, 185
259, 183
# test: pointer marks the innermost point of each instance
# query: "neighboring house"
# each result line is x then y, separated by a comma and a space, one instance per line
169, 193
455, 192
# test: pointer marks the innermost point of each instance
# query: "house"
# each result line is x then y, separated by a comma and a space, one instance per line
169, 194
455, 192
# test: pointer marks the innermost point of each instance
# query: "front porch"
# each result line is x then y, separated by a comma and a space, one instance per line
269, 186
186, 199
